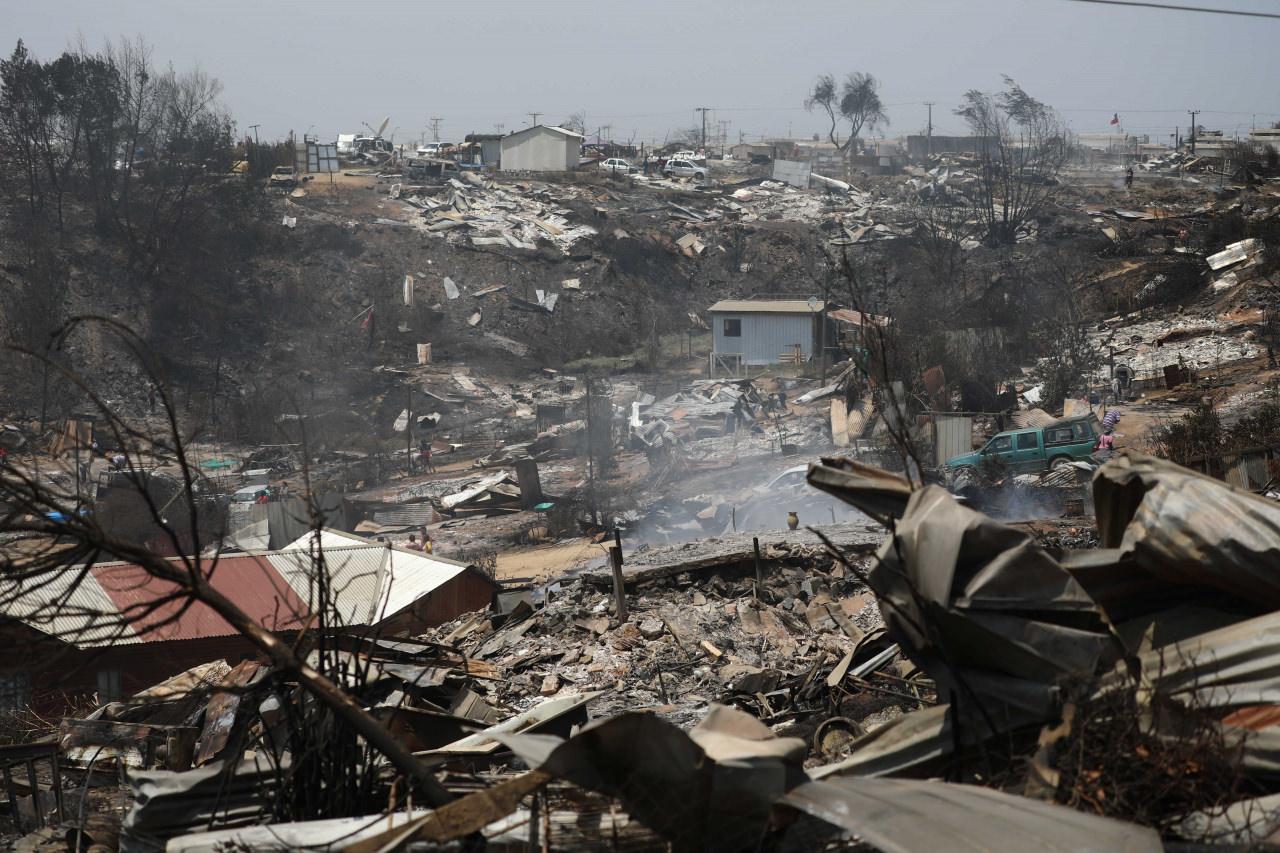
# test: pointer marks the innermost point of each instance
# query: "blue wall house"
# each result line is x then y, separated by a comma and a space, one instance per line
765, 331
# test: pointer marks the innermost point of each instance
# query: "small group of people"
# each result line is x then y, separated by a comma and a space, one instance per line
1107, 441
424, 544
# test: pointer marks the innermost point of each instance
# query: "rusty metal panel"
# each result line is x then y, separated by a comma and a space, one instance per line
250, 582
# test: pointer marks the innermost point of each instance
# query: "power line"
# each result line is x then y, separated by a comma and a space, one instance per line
1170, 7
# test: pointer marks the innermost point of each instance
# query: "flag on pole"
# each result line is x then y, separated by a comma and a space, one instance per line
1115, 118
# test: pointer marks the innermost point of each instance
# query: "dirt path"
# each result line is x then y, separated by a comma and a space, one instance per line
545, 561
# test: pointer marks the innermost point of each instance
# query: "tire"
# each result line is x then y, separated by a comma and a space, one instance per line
1059, 462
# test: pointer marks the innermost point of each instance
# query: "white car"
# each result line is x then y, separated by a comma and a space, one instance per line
430, 149
680, 168
687, 155
788, 479
617, 165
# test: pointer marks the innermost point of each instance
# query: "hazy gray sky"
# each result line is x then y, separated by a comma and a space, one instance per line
642, 67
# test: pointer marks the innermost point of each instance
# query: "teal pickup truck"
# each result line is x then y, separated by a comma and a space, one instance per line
1036, 449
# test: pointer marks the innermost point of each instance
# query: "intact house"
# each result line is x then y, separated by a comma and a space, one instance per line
114, 629
541, 148
750, 332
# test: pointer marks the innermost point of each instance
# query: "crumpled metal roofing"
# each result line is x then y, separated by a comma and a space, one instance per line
1012, 620
1187, 528
910, 815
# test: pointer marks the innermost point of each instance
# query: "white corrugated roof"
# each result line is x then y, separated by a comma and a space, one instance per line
764, 306
70, 605
387, 579
354, 576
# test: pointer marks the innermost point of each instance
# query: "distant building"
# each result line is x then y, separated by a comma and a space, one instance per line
1266, 136
541, 148
1112, 143
764, 331
922, 145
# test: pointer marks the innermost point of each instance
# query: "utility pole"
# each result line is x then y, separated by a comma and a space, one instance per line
254, 128
498, 127
929, 133
408, 432
591, 466
1193, 114
703, 110
435, 128
534, 116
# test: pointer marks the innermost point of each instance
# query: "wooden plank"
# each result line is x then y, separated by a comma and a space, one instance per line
839, 422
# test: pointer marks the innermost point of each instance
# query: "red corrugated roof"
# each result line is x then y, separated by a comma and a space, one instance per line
250, 582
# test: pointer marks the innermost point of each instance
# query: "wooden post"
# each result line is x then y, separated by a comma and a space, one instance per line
755, 545
619, 589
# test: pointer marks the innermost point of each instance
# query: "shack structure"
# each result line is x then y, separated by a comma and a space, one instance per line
118, 629
541, 148
486, 149
752, 332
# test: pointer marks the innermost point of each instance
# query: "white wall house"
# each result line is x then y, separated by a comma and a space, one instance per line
541, 148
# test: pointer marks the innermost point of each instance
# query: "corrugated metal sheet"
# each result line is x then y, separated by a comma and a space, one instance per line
1248, 471
952, 436
250, 582
353, 575
119, 603
69, 605
793, 172
764, 306
856, 318
1032, 418
913, 814
408, 515
380, 581
410, 576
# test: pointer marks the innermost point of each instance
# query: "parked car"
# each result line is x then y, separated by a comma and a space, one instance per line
788, 479
283, 176
678, 168
1037, 449
617, 165
430, 149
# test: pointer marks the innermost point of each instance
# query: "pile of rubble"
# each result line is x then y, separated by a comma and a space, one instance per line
482, 213
720, 698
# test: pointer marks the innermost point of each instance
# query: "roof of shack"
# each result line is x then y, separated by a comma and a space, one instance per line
764, 306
